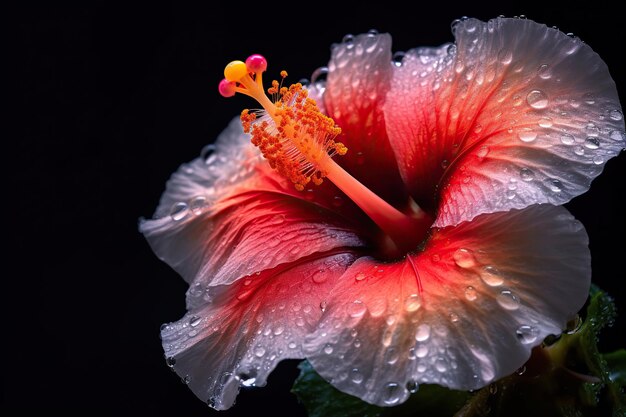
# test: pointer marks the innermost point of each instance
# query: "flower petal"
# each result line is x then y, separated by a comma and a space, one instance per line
464, 312
250, 326
515, 114
226, 223
358, 80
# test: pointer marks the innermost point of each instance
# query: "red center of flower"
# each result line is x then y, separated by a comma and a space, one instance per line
298, 141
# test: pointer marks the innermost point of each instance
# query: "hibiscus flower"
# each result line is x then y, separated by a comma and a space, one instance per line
397, 226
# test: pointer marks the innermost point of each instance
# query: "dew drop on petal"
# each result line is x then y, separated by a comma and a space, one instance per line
360, 276
357, 309
179, 211
422, 333
454, 317
508, 300
592, 143
617, 135
412, 303
391, 356
545, 122
421, 351
491, 276
554, 185
470, 293
292, 345
198, 204
412, 386
527, 135
505, 56
208, 154
464, 258
616, 115
356, 376
544, 72
526, 174
440, 365
328, 348
259, 351
323, 305
567, 139
393, 393
537, 99
527, 334
170, 361
194, 321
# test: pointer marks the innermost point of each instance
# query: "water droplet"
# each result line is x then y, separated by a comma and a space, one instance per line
357, 309
592, 143
454, 317
441, 365
537, 99
360, 276
567, 139
338, 201
616, 115
617, 135
393, 393
208, 154
292, 345
482, 152
554, 185
320, 276
589, 98
464, 258
435, 258
598, 160
505, 56
278, 330
421, 367
470, 293
323, 305
521, 371
259, 351
356, 376
444, 164
421, 351
198, 204
493, 389
527, 135
544, 72
319, 75
412, 303
179, 211
422, 333
412, 386
194, 321
248, 379
527, 334
186, 380
526, 174
491, 276
545, 122
170, 361
328, 348
397, 58
579, 150
574, 325
299, 321
391, 356
508, 300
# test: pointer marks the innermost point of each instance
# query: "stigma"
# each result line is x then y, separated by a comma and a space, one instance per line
298, 141
291, 132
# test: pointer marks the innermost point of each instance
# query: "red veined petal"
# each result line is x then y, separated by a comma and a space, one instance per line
358, 80
250, 326
235, 216
462, 313
515, 114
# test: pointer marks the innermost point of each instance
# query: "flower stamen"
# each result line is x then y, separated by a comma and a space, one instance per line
298, 141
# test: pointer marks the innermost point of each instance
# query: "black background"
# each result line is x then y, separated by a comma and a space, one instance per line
111, 99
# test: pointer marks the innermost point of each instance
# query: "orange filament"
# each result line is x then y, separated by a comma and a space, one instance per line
297, 140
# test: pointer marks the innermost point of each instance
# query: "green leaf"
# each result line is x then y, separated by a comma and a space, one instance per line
323, 400
616, 363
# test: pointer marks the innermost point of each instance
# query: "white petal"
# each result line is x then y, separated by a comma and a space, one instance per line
251, 325
491, 290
